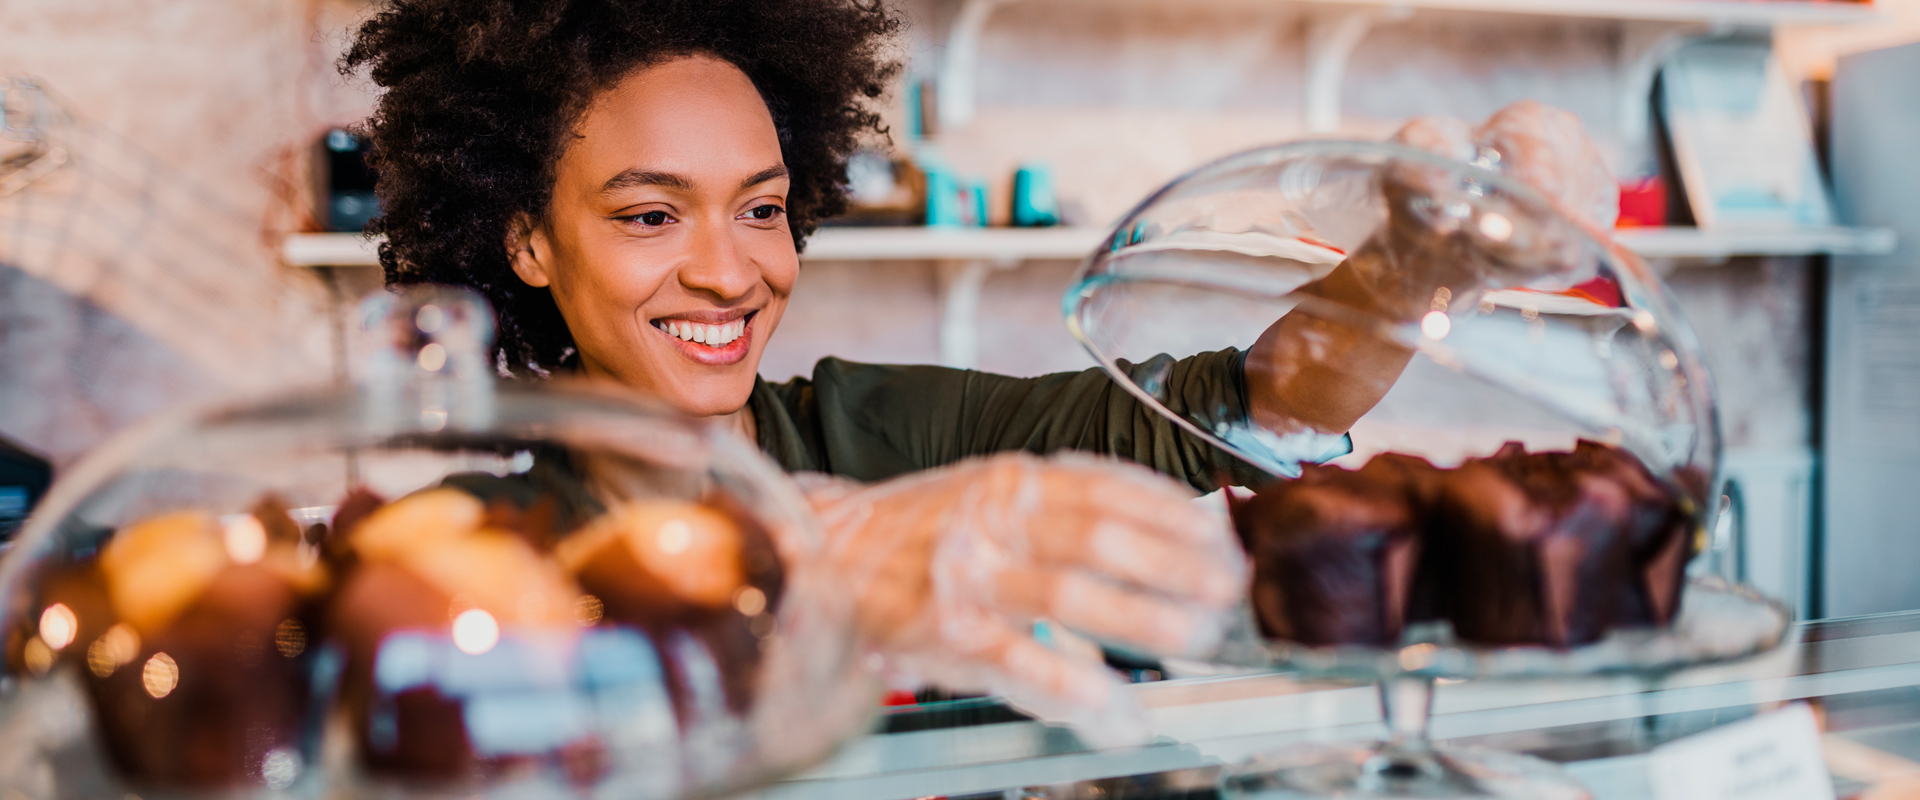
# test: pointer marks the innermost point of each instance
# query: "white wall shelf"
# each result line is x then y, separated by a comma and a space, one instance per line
1719, 245
829, 244
966, 257
1012, 245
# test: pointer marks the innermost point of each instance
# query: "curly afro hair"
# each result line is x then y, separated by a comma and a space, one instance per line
482, 95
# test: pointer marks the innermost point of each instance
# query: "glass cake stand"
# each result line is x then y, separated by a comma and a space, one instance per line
1379, 299
1719, 623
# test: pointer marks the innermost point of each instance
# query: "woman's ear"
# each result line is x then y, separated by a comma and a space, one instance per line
527, 250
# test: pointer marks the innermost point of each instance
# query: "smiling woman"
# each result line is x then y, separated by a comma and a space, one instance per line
496, 117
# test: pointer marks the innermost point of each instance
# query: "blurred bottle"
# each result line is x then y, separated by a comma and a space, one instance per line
943, 199
345, 181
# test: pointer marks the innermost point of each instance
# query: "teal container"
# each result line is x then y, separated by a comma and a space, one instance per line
1034, 203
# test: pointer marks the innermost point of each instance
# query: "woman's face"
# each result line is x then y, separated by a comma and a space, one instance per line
666, 244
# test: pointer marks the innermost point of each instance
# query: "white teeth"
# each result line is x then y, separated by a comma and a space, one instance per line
709, 335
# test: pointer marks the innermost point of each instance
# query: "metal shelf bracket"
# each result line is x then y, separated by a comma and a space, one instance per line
1331, 39
960, 286
960, 64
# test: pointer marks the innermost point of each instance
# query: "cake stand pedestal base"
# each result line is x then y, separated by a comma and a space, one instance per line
1357, 773
1407, 764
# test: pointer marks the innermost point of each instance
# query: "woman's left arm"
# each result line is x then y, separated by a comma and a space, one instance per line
872, 422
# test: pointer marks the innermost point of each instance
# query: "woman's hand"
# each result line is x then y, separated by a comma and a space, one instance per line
1442, 245
953, 567
1447, 234
1542, 146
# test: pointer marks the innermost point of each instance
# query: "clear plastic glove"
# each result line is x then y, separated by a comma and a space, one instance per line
1444, 233
953, 567
1545, 147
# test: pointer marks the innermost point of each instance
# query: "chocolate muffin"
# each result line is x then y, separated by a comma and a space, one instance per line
438, 612
1335, 553
1660, 532
701, 579
199, 681
1516, 548
1525, 551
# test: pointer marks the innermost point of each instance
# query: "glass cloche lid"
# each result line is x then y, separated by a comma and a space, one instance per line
1387, 299
429, 584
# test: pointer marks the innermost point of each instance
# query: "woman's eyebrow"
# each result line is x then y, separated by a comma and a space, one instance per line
635, 178
775, 171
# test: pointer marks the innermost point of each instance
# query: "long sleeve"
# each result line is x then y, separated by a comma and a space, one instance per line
871, 422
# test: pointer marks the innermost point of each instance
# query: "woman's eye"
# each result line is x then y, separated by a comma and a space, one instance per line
768, 211
651, 218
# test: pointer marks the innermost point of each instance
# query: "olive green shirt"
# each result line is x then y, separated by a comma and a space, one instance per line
870, 422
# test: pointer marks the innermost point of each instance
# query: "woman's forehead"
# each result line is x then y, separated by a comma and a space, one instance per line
694, 117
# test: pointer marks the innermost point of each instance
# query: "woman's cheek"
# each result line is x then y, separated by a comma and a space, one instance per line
780, 266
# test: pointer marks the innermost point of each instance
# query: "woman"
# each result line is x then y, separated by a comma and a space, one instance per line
630, 182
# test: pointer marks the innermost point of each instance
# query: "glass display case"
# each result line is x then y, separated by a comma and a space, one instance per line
1862, 676
428, 584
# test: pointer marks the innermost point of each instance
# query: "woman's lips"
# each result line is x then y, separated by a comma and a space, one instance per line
713, 344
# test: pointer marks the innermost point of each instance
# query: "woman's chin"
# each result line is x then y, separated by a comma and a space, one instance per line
712, 391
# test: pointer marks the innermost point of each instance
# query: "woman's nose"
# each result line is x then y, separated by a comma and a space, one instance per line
717, 264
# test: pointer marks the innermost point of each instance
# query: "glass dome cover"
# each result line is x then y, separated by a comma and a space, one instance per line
1354, 304
429, 583
1517, 323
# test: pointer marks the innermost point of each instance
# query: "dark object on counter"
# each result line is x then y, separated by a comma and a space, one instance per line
1553, 549
346, 181
883, 190
24, 478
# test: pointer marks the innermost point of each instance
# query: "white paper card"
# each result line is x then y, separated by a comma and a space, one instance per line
1774, 756
1741, 138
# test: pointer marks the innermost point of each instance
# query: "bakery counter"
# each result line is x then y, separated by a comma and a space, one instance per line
1862, 676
